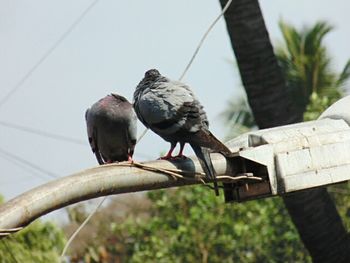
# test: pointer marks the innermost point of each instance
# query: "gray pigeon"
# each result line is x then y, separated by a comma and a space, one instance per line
111, 126
171, 110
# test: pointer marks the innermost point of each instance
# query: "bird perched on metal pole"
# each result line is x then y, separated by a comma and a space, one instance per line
171, 110
112, 129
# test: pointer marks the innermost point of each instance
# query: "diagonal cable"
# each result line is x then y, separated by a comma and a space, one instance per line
46, 54
21, 165
189, 64
43, 133
55, 136
203, 39
28, 163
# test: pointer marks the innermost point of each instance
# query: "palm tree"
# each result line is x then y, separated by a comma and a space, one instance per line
306, 65
307, 69
238, 117
313, 211
260, 72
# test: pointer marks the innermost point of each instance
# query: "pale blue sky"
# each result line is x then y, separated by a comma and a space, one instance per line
109, 51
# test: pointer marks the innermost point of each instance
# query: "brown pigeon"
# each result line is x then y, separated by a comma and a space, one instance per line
112, 126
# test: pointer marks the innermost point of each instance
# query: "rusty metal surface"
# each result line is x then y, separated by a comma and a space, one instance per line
95, 182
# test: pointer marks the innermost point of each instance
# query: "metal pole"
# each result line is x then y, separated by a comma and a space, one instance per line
95, 182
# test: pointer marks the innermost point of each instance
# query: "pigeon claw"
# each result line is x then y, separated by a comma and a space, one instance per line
180, 157
166, 157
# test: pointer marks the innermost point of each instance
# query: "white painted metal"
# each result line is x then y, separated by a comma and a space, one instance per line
300, 156
339, 110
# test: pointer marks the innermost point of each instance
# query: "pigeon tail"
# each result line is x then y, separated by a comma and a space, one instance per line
206, 139
203, 155
218, 146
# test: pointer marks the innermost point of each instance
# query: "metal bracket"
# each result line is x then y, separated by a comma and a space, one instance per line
291, 158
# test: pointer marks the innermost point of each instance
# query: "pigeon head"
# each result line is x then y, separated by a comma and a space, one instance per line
152, 74
151, 77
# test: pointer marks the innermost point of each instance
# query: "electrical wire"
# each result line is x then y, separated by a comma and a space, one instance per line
203, 39
196, 51
22, 166
58, 137
76, 232
43, 133
29, 164
20, 83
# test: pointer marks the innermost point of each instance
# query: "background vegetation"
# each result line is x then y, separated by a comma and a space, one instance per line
41, 242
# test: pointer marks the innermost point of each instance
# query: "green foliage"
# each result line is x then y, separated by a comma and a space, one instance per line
105, 238
310, 79
317, 105
189, 224
306, 64
238, 117
192, 225
40, 242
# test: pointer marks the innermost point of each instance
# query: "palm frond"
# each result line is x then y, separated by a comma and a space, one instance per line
307, 65
344, 75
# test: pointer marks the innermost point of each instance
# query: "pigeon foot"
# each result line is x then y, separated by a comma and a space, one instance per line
166, 157
180, 157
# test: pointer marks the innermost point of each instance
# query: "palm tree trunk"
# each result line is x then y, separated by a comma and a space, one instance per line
260, 73
313, 212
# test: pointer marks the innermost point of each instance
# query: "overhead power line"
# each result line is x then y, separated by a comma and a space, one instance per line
46, 54
29, 164
203, 39
189, 64
22, 166
55, 136
43, 133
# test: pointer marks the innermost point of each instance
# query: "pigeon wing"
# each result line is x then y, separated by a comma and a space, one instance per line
169, 107
92, 135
